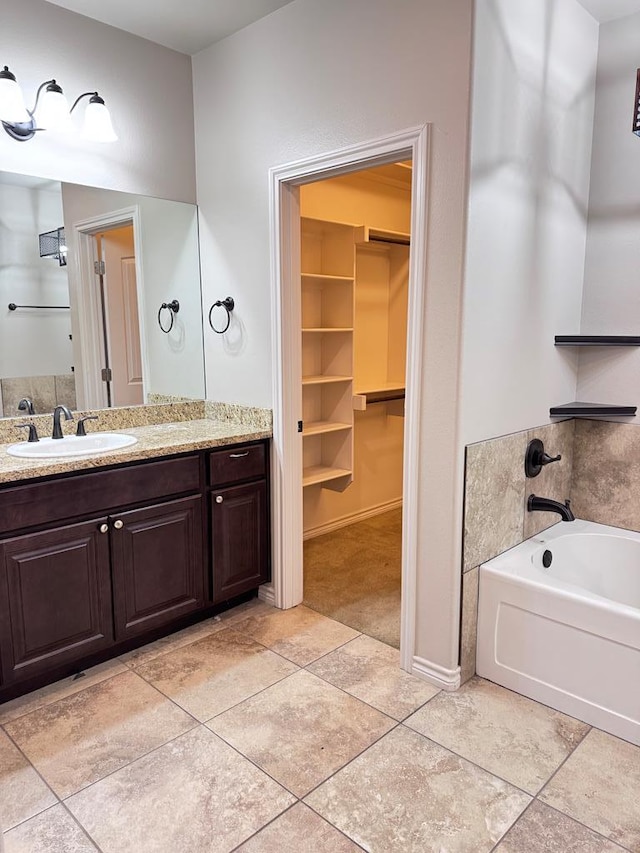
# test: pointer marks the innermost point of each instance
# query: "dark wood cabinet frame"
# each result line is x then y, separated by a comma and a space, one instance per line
95, 564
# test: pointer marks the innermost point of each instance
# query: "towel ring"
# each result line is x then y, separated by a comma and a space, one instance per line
228, 304
173, 308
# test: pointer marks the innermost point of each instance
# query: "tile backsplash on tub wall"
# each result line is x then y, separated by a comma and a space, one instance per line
496, 490
495, 511
606, 476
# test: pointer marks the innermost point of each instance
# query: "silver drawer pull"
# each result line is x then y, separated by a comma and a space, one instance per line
118, 524
104, 528
238, 455
219, 499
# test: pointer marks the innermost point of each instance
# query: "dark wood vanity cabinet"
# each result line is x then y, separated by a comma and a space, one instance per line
55, 598
239, 508
94, 563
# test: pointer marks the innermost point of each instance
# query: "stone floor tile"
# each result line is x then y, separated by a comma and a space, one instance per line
406, 793
302, 830
189, 635
301, 730
83, 737
299, 634
58, 690
194, 794
544, 830
213, 674
514, 737
23, 794
370, 670
53, 831
599, 785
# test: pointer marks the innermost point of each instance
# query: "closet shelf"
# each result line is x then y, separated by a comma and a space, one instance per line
366, 234
326, 329
592, 409
597, 340
320, 427
382, 393
316, 474
323, 379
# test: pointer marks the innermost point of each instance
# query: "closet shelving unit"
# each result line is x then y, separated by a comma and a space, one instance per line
578, 409
327, 301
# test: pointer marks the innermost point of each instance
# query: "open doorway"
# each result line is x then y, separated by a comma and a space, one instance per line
286, 589
354, 245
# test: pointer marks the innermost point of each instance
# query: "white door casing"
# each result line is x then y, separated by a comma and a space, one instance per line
286, 590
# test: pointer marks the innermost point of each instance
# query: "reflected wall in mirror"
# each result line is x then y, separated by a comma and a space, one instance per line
101, 345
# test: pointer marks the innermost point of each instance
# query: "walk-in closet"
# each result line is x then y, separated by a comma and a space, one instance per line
355, 236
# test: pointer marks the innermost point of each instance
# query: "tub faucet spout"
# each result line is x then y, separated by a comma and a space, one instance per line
536, 503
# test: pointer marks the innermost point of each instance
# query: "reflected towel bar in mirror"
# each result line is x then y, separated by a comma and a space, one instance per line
13, 306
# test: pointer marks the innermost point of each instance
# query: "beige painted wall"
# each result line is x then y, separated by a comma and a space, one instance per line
312, 78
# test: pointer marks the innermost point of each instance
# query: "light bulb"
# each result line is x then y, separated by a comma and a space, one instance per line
97, 122
12, 107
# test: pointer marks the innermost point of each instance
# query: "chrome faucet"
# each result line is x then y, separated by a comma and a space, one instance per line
535, 503
60, 410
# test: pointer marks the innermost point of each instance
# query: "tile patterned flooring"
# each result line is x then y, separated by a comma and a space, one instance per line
262, 731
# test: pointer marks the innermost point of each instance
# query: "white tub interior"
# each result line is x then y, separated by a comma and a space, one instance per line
567, 635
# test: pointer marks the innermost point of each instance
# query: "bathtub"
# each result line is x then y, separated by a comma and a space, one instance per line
559, 621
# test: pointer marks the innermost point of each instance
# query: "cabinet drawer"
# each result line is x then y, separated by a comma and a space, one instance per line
36, 504
233, 464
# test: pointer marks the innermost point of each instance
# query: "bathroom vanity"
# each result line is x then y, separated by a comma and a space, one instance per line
97, 561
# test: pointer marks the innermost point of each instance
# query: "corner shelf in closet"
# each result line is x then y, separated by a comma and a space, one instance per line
594, 410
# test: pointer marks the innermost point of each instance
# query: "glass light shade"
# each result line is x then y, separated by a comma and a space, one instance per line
97, 123
12, 107
52, 112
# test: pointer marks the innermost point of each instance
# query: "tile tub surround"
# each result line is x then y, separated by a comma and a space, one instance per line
606, 477
402, 791
495, 512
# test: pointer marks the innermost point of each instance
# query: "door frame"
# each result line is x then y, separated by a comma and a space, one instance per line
284, 182
86, 307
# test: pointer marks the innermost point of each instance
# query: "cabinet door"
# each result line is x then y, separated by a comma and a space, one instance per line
240, 534
158, 568
55, 598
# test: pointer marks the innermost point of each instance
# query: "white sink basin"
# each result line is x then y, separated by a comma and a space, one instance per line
71, 445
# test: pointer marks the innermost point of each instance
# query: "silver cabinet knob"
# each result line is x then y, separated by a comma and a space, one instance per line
118, 524
104, 528
219, 499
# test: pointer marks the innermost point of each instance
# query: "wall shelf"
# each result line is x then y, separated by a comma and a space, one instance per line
325, 329
317, 474
578, 410
366, 234
320, 427
597, 340
322, 379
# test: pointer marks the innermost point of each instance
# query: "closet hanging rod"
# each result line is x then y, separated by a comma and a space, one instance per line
13, 306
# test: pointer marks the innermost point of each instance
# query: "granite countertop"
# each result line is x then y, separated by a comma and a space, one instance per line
153, 441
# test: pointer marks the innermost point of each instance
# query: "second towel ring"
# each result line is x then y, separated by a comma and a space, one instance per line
228, 304
173, 308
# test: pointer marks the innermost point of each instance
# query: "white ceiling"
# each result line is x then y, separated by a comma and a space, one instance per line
191, 25
608, 10
187, 26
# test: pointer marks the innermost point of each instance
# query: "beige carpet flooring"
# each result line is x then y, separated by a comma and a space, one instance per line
353, 576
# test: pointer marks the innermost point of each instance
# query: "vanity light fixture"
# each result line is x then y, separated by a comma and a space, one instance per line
50, 111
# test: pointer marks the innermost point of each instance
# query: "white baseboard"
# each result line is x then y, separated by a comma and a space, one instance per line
445, 679
352, 518
266, 593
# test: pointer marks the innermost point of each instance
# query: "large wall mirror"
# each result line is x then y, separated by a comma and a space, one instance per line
84, 273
